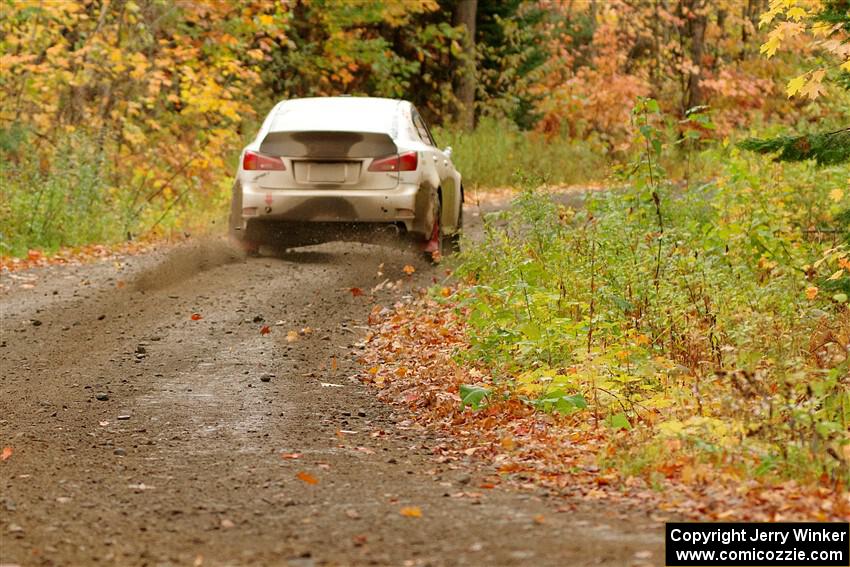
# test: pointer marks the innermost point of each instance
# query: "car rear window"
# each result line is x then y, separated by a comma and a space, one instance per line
337, 114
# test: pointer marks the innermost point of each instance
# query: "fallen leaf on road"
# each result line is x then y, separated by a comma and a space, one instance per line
307, 477
196, 317
291, 336
290, 455
408, 269
411, 512
265, 330
227, 524
7, 452
352, 513
359, 540
356, 291
539, 519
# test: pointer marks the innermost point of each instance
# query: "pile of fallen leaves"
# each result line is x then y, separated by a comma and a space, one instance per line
410, 356
78, 255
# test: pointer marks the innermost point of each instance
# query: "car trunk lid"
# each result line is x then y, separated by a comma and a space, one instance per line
330, 159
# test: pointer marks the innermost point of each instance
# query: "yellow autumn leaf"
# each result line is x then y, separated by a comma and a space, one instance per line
796, 13
845, 66
814, 88
769, 15
821, 29
411, 512
770, 47
796, 84
836, 275
836, 195
811, 292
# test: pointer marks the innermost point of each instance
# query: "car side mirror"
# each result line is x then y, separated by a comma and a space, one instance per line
448, 151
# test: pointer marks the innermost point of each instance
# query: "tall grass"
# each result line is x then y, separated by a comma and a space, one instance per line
55, 198
74, 192
492, 154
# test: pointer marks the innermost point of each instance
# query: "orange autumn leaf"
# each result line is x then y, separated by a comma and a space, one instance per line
811, 292
265, 330
408, 269
411, 512
356, 291
196, 317
290, 455
7, 452
307, 477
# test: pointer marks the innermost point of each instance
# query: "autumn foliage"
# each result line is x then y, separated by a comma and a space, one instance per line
122, 119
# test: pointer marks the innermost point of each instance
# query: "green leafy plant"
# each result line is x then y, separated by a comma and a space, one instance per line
711, 312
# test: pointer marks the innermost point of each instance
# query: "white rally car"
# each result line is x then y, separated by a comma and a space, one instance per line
332, 168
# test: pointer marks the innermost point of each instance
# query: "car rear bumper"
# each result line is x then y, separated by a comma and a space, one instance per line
398, 205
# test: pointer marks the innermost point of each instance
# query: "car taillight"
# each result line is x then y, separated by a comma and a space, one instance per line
407, 161
253, 161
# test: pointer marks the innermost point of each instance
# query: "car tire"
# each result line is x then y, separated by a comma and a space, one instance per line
439, 246
453, 240
245, 241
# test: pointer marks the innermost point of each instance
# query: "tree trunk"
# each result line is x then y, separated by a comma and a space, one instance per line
696, 17
464, 15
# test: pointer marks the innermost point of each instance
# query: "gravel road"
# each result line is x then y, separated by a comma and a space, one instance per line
142, 435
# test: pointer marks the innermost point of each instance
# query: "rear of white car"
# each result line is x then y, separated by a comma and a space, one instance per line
321, 166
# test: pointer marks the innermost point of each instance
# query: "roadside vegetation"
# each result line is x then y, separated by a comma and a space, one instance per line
708, 317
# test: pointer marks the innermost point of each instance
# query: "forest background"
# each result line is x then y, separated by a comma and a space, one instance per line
122, 119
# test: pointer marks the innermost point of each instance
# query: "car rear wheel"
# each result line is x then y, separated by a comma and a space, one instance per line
439, 245
246, 240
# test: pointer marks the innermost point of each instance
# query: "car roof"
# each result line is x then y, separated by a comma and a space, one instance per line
348, 113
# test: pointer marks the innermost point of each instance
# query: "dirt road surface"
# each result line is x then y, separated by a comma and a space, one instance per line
144, 436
